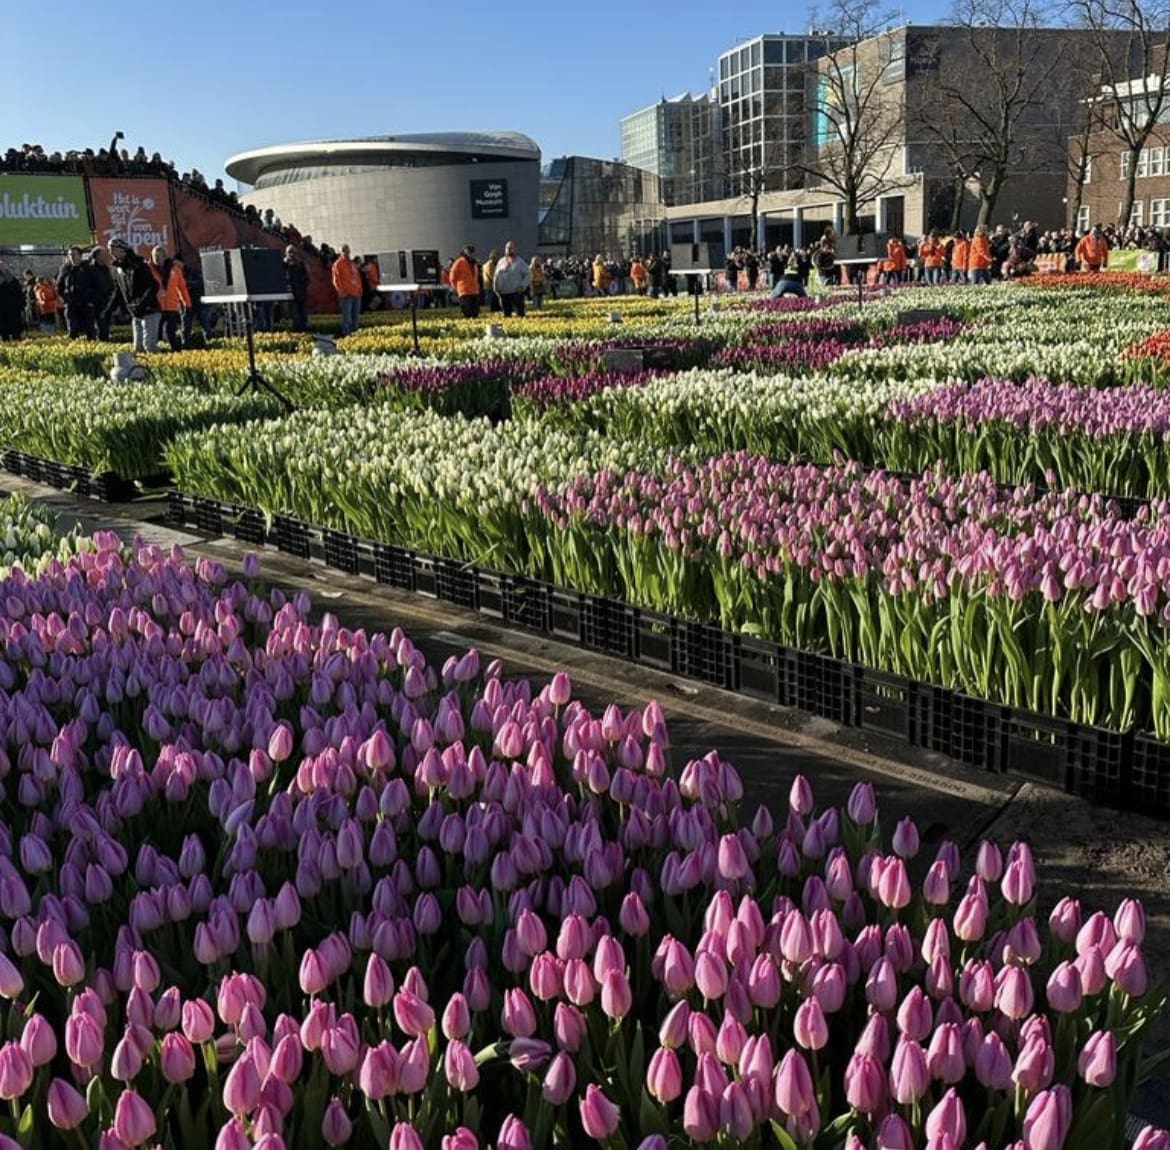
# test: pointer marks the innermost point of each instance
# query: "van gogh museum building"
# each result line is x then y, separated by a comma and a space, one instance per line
428, 191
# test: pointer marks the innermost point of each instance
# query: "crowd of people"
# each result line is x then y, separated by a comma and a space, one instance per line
115, 161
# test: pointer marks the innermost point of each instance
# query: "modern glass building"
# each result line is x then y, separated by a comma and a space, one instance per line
590, 206
762, 110
676, 139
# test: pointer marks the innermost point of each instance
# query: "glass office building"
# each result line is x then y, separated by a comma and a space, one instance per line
762, 111
590, 206
676, 140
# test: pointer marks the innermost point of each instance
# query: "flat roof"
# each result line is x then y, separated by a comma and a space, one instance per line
247, 167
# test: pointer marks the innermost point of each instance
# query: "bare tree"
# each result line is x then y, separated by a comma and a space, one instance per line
1132, 57
857, 112
991, 108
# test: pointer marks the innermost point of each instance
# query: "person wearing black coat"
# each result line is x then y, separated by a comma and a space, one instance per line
11, 306
296, 277
104, 291
137, 286
78, 290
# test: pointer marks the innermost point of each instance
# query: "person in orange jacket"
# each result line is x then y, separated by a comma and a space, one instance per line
931, 252
464, 277
979, 256
894, 265
174, 297
1092, 250
960, 258
638, 275
347, 282
48, 304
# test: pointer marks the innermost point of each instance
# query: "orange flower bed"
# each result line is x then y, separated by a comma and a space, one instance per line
1118, 281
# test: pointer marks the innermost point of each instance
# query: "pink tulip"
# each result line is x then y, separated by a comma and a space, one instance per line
1013, 992
241, 1088
462, 1139
1064, 989
67, 1107
336, 1127
810, 1029
414, 1016
16, 1071
560, 1080
1097, 1063
405, 1137
664, 1075
513, 1135
1048, 1119
134, 1121
948, 1118
794, 1092
864, 1083
459, 1067
599, 1116
909, 1075
176, 1059
1152, 1138
1125, 965
700, 1115
862, 806
39, 1040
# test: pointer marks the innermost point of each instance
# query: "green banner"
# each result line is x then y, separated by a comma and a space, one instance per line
43, 210
1124, 260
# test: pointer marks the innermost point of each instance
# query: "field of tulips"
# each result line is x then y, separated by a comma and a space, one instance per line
105, 427
31, 534
269, 882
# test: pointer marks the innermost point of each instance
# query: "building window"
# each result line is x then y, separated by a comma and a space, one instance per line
1123, 165
1088, 168
1155, 164
1083, 218
1143, 164
1135, 214
1160, 213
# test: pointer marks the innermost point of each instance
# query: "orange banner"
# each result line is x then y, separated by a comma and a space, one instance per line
139, 211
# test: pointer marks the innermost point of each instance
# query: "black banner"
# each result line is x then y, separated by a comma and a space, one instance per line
489, 199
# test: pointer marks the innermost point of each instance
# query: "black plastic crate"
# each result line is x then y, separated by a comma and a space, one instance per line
883, 702
978, 732
247, 525
1149, 782
424, 575
455, 582
291, 536
179, 509
55, 474
526, 603
209, 516
760, 669
703, 652
610, 626
489, 592
12, 461
823, 686
932, 712
340, 551
106, 487
394, 566
565, 614
1038, 747
1100, 764
655, 640
34, 468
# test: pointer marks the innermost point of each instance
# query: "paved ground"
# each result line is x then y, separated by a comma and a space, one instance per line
1101, 855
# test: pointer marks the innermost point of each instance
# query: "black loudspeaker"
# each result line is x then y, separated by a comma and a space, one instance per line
697, 257
243, 272
409, 267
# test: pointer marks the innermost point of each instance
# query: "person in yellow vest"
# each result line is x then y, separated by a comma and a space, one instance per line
1092, 251
539, 281
488, 271
960, 258
601, 276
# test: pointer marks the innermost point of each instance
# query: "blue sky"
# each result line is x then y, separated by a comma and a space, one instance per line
199, 81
